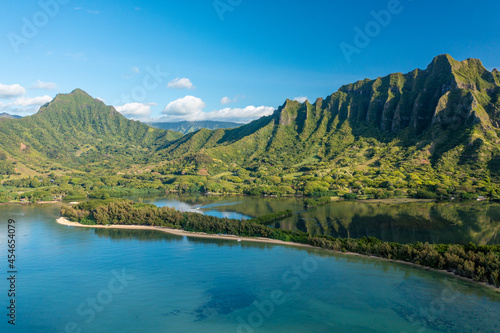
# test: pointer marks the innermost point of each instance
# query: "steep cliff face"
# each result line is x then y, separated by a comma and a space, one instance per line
447, 92
446, 107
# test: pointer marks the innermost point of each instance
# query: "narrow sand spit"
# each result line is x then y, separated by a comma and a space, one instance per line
177, 232
64, 221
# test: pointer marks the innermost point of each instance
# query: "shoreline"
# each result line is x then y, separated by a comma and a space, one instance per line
179, 232
398, 200
54, 202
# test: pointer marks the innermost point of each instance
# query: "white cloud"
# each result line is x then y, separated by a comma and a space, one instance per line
11, 91
19, 103
246, 114
180, 83
44, 85
101, 99
134, 70
135, 110
25, 105
32, 101
188, 106
191, 108
300, 99
226, 100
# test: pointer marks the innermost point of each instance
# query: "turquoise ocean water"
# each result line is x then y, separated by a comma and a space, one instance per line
86, 280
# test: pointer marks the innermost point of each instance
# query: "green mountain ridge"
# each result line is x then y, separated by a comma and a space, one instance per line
429, 132
5, 115
186, 127
74, 130
438, 109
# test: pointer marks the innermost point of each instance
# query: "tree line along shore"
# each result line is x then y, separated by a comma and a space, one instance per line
480, 263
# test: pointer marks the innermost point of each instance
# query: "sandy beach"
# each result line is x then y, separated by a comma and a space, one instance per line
64, 221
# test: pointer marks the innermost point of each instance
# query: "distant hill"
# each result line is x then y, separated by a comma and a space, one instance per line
77, 130
9, 116
186, 127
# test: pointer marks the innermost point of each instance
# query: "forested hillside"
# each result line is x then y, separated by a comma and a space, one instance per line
428, 133
76, 131
435, 129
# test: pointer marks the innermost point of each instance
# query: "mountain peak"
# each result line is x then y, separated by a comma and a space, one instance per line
70, 122
446, 61
78, 91
444, 57
443, 62
77, 97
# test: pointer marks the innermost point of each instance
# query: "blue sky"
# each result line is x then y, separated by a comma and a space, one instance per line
225, 59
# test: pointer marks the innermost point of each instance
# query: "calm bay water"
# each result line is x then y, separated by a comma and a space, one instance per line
145, 281
446, 222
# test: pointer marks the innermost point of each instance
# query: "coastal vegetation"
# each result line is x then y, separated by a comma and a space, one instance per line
477, 262
429, 133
